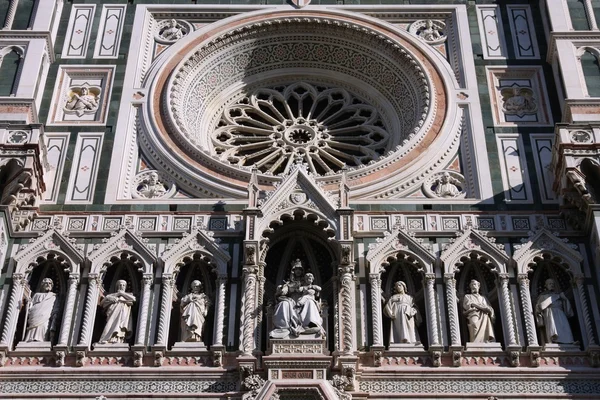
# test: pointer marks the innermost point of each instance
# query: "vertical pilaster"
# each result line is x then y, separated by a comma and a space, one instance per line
508, 310
585, 310
527, 310
65, 328
452, 309
432, 309
346, 278
12, 313
143, 314
220, 310
375, 280
165, 309
89, 313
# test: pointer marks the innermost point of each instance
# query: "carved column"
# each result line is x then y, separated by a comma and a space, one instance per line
527, 310
589, 330
589, 10
346, 277
432, 309
508, 310
220, 310
165, 309
143, 314
12, 312
375, 280
65, 329
10, 15
452, 309
247, 342
91, 303
259, 300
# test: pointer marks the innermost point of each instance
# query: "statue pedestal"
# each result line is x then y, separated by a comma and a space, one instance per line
34, 347
298, 358
105, 348
561, 347
406, 347
483, 347
188, 348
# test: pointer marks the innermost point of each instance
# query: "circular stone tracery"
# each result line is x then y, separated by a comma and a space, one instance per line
328, 128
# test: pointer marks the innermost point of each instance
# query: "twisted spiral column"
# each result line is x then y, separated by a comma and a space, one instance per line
346, 294
65, 329
589, 330
527, 309
145, 304
432, 309
258, 311
168, 282
220, 309
336, 316
12, 313
508, 309
375, 280
589, 10
247, 343
452, 308
10, 15
91, 303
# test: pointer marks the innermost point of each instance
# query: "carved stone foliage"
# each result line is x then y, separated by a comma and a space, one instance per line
82, 100
445, 185
327, 127
169, 31
151, 185
431, 31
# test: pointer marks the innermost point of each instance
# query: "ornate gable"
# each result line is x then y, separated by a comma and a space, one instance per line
473, 240
395, 241
197, 240
49, 241
123, 240
545, 241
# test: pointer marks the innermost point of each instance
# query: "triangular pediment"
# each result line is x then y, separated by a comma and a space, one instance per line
50, 241
298, 191
545, 241
473, 240
196, 240
396, 241
123, 240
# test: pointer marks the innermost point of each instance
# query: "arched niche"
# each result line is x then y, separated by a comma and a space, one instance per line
196, 266
126, 266
549, 265
51, 265
404, 267
9, 170
300, 240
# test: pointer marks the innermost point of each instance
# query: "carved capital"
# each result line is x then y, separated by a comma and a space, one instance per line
148, 279
449, 279
375, 278
430, 279
346, 269
168, 281
503, 278
19, 279
250, 254
94, 280
73, 280
523, 279
250, 270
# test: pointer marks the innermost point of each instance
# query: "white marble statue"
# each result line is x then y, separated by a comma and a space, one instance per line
446, 186
405, 316
286, 318
194, 308
551, 311
480, 315
117, 307
172, 31
310, 308
42, 314
152, 187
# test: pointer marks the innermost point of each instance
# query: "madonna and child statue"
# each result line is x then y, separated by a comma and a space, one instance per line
298, 309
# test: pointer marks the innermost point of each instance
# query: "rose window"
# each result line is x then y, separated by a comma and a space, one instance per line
327, 128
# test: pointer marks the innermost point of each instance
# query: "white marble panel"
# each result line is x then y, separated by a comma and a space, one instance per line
541, 145
84, 169
110, 31
515, 177
78, 31
56, 143
491, 32
522, 31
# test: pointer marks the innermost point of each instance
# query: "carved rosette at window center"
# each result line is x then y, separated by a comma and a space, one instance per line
327, 128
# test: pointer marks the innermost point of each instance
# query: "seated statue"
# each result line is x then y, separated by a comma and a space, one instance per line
117, 307
42, 314
298, 309
194, 308
551, 310
480, 315
405, 316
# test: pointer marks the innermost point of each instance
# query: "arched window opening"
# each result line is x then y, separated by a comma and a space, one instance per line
9, 70
578, 15
591, 72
